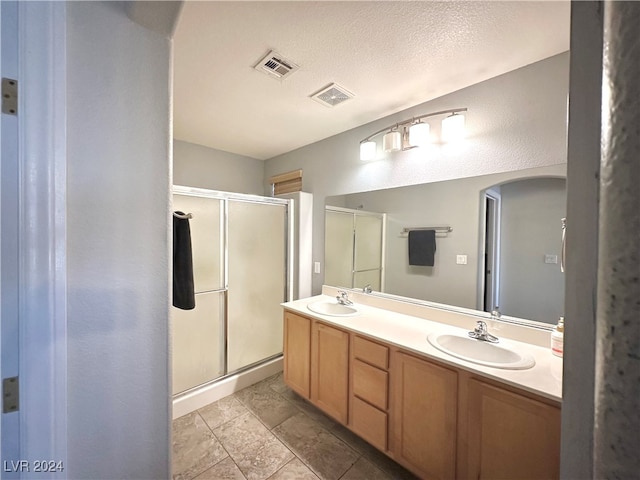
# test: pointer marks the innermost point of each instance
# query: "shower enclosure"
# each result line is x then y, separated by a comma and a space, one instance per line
241, 275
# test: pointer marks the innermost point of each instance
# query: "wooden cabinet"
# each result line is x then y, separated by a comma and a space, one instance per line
297, 353
438, 421
369, 397
424, 416
508, 435
330, 370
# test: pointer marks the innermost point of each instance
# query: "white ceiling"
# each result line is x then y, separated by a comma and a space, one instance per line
391, 54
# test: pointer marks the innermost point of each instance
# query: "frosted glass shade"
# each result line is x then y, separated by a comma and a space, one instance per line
367, 151
419, 134
453, 128
392, 142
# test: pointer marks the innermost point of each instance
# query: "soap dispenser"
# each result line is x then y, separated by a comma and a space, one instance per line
557, 338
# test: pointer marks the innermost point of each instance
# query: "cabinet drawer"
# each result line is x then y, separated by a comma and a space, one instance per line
371, 352
370, 423
370, 384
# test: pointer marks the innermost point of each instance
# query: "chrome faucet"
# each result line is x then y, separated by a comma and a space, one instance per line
343, 298
495, 313
367, 288
481, 333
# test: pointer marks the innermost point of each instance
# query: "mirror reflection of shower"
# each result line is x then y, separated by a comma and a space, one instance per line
354, 248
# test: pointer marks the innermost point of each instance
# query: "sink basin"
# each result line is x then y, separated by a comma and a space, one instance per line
483, 353
333, 309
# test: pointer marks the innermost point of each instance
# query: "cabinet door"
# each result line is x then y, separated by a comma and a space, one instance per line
297, 353
330, 370
424, 417
510, 436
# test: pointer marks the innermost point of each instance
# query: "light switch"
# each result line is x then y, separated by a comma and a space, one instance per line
550, 258
461, 259
316, 267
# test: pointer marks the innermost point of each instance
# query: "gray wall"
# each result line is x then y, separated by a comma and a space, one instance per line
204, 167
531, 228
515, 121
118, 245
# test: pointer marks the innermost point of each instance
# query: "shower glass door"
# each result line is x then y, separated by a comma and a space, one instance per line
198, 334
257, 245
240, 268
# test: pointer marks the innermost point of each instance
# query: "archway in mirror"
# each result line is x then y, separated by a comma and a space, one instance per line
517, 268
521, 273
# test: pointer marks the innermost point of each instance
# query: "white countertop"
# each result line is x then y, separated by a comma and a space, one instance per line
410, 333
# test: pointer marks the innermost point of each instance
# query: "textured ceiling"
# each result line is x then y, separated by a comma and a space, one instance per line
391, 54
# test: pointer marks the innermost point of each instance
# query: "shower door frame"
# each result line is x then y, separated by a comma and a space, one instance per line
225, 197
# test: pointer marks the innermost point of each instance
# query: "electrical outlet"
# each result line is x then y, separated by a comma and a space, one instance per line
461, 259
550, 258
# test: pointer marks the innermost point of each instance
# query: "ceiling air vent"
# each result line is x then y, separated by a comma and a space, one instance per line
276, 66
332, 95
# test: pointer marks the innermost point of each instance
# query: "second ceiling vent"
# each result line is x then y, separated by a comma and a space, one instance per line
332, 95
276, 65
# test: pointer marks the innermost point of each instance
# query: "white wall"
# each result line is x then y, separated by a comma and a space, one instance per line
118, 245
204, 167
531, 228
515, 121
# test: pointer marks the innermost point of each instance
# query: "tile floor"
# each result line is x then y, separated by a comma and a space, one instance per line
268, 432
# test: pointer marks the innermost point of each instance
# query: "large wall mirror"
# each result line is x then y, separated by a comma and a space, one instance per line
503, 248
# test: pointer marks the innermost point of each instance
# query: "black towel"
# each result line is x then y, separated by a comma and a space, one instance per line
422, 247
183, 291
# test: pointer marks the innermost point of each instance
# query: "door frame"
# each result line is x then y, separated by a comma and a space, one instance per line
490, 254
41, 198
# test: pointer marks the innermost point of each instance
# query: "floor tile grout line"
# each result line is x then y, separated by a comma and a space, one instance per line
249, 412
223, 447
310, 467
214, 436
280, 393
356, 452
228, 420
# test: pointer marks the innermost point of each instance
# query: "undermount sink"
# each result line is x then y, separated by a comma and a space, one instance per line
333, 309
481, 352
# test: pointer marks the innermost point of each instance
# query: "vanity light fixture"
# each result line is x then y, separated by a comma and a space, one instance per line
413, 133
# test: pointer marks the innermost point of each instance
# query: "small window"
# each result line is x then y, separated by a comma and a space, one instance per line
287, 182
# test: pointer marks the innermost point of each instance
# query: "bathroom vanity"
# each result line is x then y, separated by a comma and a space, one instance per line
439, 416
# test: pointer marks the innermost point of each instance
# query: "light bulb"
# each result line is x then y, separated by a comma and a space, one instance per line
392, 141
453, 128
419, 134
368, 150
